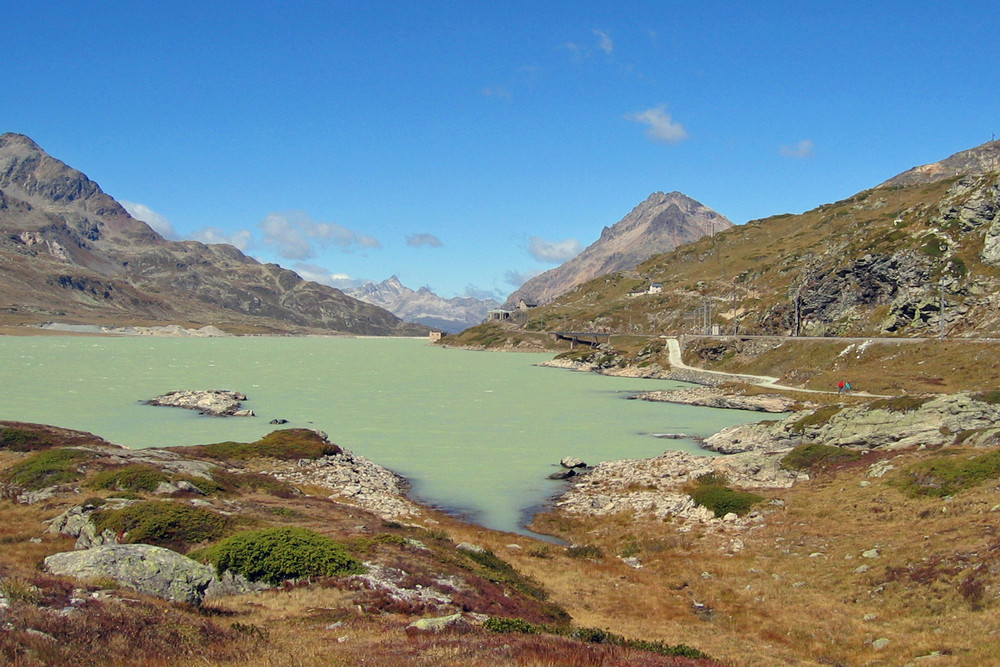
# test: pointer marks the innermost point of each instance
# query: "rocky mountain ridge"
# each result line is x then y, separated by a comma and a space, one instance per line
659, 224
70, 252
916, 256
423, 306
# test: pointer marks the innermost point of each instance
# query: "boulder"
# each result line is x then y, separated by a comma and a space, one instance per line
563, 474
454, 622
215, 402
141, 567
572, 462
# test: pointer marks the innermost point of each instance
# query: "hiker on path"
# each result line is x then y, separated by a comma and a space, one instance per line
840, 387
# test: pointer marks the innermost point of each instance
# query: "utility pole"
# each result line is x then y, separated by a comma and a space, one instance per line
941, 333
736, 325
796, 312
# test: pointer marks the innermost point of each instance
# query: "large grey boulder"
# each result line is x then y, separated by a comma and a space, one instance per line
141, 567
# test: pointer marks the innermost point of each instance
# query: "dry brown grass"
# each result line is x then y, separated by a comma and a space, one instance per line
794, 593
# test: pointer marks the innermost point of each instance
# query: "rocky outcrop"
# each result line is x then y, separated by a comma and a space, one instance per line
931, 421
214, 402
353, 479
141, 567
712, 397
654, 487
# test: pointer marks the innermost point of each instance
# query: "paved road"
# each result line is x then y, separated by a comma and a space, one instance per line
674, 356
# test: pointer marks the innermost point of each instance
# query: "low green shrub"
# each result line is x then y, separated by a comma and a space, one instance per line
814, 456
991, 397
165, 523
138, 477
817, 417
711, 492
584, 551
276, 554
286, 444
900, 403
499, 571
47, 468
941, 477
229, 482
507, 625
592, 636
22, 440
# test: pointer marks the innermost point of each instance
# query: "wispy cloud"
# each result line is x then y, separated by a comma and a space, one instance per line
476, 292
158, 222
604, 42
660, 127
418, 240
554, 251
518, 278
241, 239
322, 275
293, 235
499, 92
803, 149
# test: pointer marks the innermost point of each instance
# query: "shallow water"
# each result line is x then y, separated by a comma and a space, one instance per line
474, 432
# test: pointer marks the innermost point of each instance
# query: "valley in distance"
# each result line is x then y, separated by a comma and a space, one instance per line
862, 528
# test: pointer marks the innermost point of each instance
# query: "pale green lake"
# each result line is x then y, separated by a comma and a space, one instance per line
476, 433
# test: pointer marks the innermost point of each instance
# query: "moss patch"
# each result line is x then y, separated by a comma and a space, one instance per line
47, 468
287, 444
947, 476
815, 456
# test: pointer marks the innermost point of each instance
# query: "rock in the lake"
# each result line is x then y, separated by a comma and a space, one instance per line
563, 474
572, 462
216, 402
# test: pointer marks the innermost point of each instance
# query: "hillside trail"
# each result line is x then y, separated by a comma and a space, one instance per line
674, 356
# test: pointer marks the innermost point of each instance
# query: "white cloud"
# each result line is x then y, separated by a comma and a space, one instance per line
554, 251
241, 239
322, 275
660, 126
604, 42
518, 278
418, 240
801, 150
158, 222
293, 234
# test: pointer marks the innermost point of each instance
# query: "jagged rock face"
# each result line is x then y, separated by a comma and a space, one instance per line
69, 251
424, 306
659, 224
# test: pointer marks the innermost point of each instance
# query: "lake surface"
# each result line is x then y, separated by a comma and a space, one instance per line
474, 432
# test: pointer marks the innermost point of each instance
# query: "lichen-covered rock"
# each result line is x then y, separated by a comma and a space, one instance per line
141, 567
932, 423
216, 402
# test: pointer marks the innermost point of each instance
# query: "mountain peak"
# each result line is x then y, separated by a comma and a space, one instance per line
659, 224
982, 159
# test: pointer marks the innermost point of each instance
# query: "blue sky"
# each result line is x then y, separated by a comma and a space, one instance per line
466, 146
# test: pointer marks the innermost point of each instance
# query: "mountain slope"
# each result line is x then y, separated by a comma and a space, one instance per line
69, 251
657, 225
918, 255
424, 306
